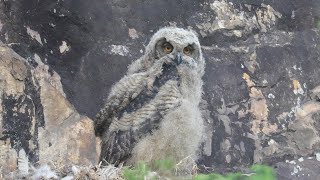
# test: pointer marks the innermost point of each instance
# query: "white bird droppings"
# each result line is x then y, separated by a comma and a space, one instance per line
133, 34
64, 47
318, 156
271, 96
34, 34
119, 50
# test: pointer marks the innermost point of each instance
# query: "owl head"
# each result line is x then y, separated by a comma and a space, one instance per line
180, 46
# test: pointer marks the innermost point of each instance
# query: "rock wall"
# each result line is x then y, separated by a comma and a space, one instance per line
37, 122
261, 98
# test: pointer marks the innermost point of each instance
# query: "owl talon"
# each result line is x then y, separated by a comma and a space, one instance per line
150, 82
159, 73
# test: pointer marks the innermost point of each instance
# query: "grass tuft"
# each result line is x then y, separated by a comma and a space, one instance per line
166, 169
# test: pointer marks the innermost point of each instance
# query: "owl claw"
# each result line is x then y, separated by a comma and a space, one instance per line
159, 73
150, 82
152, 77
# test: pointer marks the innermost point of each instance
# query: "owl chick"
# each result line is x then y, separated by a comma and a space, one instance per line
153, 112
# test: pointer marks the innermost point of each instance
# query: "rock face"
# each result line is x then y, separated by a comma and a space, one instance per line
261, 96
37, 119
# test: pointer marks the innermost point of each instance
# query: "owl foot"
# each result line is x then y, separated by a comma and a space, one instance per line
150, 82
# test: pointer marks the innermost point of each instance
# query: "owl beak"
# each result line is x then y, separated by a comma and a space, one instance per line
178, 59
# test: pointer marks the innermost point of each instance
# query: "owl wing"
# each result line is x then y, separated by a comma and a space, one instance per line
123, 93
139, 118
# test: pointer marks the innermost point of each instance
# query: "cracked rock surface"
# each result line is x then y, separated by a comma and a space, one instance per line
262, 80
38, 120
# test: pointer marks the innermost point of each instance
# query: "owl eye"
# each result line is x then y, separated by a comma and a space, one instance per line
187, 50
167, 48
